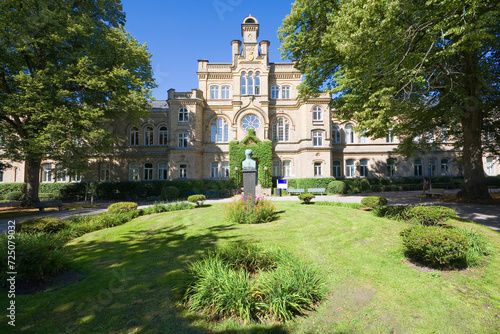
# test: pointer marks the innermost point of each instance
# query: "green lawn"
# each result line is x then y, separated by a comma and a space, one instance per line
128, 272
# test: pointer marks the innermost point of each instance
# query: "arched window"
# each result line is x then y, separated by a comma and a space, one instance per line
350, 168
148, 171
336, 138
257, 83
243, 83
225, 93
349, 134
163, 136
281, 130
183, 115
134, 136
220, 131
317, 114
148, 136
214, 92
134, 172
250, 83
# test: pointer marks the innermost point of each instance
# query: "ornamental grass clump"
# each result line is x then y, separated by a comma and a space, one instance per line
40, 224
478, 247
238, 213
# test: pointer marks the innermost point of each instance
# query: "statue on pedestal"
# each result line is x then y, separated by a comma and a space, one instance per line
249, 163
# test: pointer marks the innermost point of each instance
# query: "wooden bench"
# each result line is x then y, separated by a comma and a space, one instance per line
435, 192
316, 190
295, 191
47, 204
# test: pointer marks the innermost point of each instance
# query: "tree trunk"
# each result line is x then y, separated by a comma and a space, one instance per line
32, 181
474, 179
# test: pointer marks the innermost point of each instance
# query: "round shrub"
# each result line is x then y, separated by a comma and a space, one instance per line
336, 187
374, 201
122, 207
430, 215
14, 196
41, 224
169, 193
197, 199
435, 246
306, 197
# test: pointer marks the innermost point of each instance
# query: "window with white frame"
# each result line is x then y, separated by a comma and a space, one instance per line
163, 136
287, 168
47, 173
317, 138
336, 169
432, 167
417, 167
490, 166
317, 169
162, 171
389, 138
336, 134
317, 114
391, 167
134, 136
220, 131
148, 171
214, 92
214, 170
363, 139
243, 83
349, 134
148, 136
182, 171
257, 83
76, 175
275, 92
183, 115
363, 168
225, 93
444, 166
224, 169
104, 172
183, 140
285, 92
276, 169
61, 173
250, 83
350, 168
281, 130
133, 172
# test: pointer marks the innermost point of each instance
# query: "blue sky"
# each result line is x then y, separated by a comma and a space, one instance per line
178, 33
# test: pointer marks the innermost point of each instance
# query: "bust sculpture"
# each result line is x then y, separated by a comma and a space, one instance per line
249, 163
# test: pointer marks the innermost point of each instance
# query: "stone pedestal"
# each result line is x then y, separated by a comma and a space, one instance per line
249, 183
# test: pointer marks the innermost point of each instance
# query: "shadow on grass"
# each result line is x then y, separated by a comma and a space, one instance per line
128, 285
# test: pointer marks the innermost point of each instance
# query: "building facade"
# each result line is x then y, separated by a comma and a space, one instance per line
187, 136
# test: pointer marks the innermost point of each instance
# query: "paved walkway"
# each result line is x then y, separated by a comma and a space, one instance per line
485, 214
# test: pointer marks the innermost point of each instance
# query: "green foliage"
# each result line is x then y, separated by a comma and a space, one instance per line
161, 207
493, 181
197, 199
262, 153
14, 196
478, 247
397, 212
430, 215
314, 182
374, 201
306, 197
238, 213
122, 207
435, 246
169, 193
6, 188
40, 224
357, 185
249, 258
336, 187
341, 204
38, 257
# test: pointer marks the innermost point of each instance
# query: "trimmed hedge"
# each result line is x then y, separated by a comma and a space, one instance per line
374, 201
436, 246
169, 193
430, 215
122, 207
336, 187
14, 196
197, 199
306, 197
40, 224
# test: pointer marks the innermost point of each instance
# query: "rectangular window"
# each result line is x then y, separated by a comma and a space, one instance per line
276, 169
389, 138
214, 92
363, 168
134, 172
417, 167
162, 171
285, 92
61, 174
214, 170
490, 166
391, 167
225, 92
183, 140
148, 171
362, 138
432, 168
275, 92
76, 176
287, 172
337, 170
104, 172
444, 166
350, 169
47, 173
225, 170
182, 171
317, 169
317, 138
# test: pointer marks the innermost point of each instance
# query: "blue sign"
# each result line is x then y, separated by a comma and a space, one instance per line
283, 184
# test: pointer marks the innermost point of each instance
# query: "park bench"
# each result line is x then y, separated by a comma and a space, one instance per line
435, 192
316, 190
295, 191
48, 204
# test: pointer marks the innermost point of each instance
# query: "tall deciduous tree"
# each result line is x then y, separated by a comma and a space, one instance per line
67, 70
413, 66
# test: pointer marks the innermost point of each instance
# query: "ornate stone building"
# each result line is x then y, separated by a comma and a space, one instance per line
188, 135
